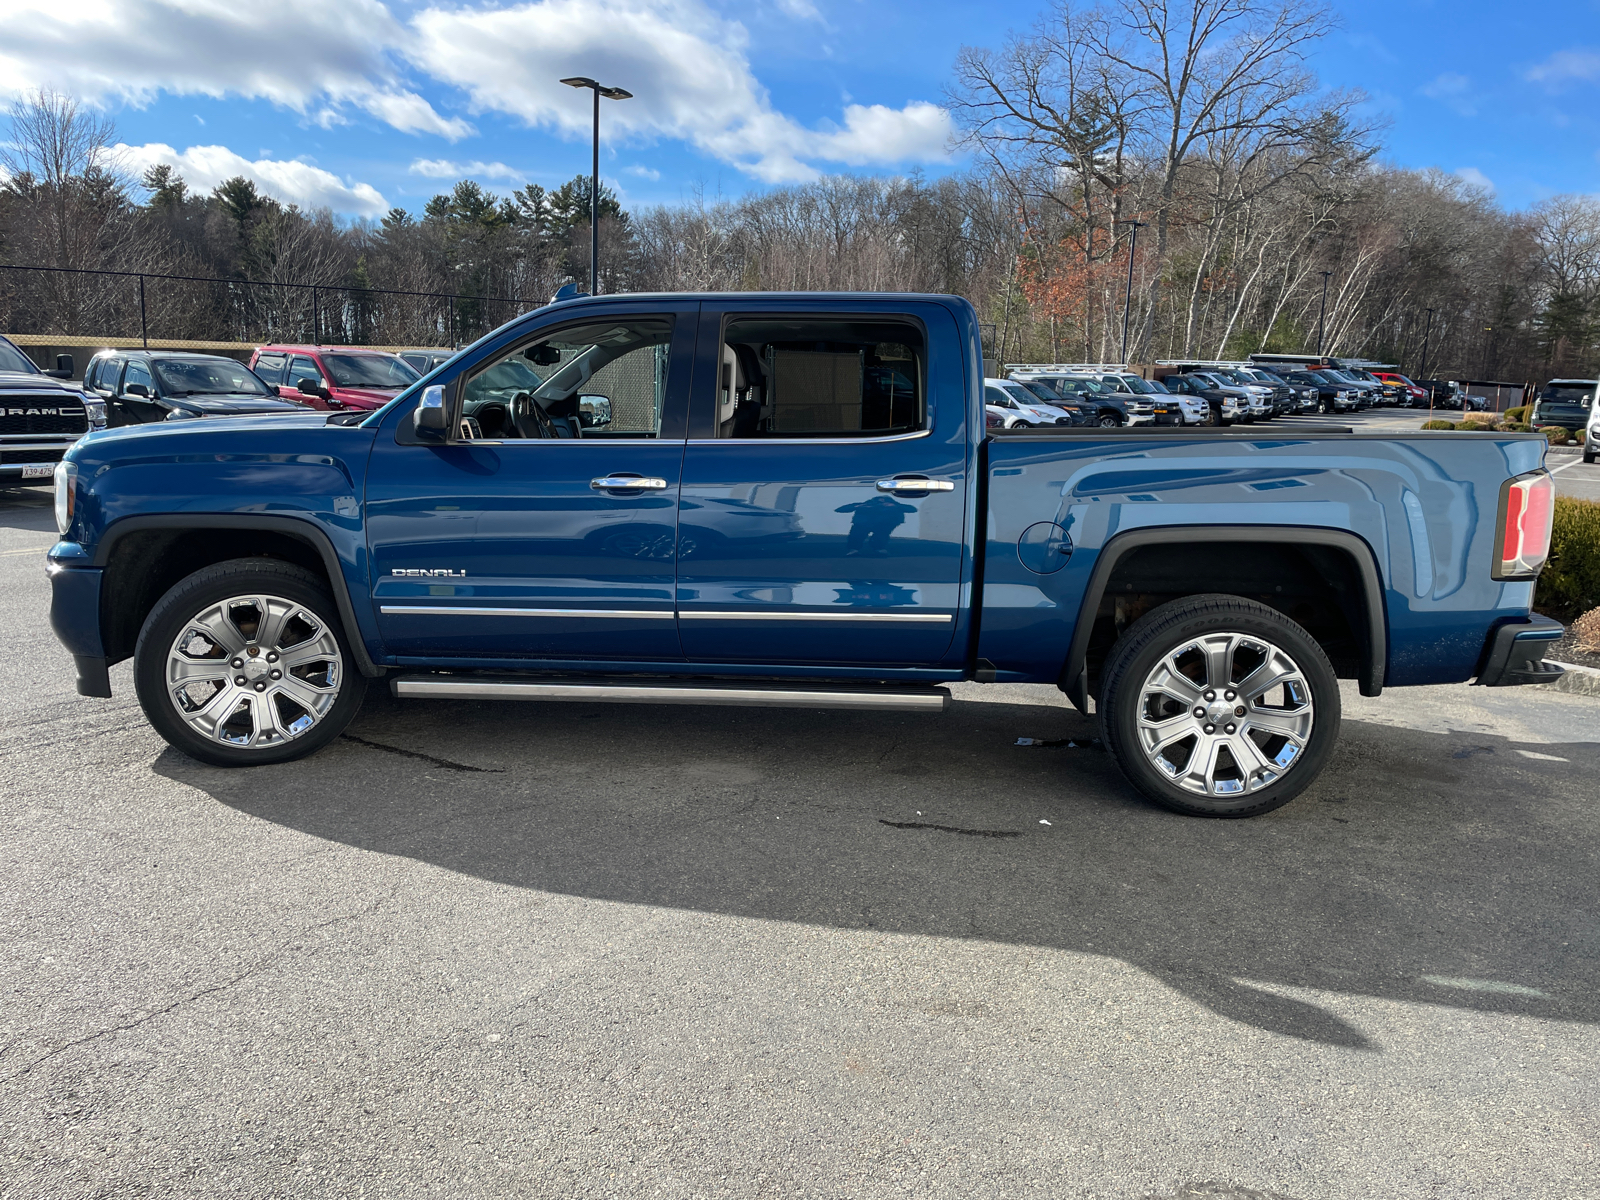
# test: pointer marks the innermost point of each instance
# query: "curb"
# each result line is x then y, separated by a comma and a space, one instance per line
1583, 681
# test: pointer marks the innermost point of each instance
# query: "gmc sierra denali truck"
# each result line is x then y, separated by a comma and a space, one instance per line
760, 499
41, 414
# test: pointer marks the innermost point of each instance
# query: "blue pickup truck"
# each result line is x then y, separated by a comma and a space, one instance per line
759, 499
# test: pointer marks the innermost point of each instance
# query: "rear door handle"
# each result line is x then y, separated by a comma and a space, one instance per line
915, 485
625, 479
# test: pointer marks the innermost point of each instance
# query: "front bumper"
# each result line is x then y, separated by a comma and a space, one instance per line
1515, 653
75, 617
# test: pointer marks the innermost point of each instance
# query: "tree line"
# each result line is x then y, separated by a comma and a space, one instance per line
1173, 171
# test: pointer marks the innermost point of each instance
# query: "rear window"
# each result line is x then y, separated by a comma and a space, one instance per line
270, 368
804, 377
1569, 393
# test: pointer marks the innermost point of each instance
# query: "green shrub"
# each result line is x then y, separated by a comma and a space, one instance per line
1516, 428
1517, 415
1556, 435
1438, 424
1581, 436
1570, 584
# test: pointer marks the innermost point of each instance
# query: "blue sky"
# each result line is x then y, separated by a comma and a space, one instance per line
362, 104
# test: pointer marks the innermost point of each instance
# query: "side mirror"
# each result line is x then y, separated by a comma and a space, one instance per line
63, 367
137, 389
430, 415
311, 387
594, 411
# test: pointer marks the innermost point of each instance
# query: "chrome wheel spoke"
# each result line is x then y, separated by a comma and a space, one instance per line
1217, 739
215, 651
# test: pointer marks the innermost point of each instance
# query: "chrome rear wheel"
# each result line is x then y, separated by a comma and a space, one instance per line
1225, 714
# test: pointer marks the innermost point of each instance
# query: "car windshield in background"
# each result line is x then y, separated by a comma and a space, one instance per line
1569, 393
1019, 393
1141, 387
179, 377
1042, 390
369, 370
12, 359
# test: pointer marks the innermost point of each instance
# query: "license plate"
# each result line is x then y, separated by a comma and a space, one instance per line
40, 472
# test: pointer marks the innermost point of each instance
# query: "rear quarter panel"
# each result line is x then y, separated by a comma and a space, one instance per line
1424, 504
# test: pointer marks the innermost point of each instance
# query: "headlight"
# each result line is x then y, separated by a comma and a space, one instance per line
66, 478
97, 413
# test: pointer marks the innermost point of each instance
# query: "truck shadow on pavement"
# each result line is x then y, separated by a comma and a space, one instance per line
1437, 868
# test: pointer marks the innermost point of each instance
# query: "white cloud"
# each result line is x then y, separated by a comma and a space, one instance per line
1473, 177
134, 49
649, 173
800, 10
687, 66
1567, 66
204, 167
443, 168
1453, 90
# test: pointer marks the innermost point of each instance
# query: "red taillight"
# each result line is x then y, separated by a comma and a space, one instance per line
1523, 544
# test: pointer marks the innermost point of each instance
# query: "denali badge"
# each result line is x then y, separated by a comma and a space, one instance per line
427, 573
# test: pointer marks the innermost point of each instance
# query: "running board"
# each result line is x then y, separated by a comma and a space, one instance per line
601, 691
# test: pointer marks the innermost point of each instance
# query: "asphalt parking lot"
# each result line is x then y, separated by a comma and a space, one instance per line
566, 950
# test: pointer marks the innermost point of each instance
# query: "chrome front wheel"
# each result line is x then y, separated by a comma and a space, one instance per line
254, 671
245, 663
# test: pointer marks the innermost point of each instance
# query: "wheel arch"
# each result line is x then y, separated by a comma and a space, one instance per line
142, 557
1369, 625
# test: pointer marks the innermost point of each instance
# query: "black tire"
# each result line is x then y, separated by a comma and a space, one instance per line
1213, 417
1165, 631
1108, 421
1588, 457
182, 607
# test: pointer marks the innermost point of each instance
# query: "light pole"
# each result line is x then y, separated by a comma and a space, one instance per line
1127, 302
1321, 315
610, 93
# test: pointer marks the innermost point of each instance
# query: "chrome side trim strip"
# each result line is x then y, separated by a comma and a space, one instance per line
833, 441
465, 688
439, 610
859, 615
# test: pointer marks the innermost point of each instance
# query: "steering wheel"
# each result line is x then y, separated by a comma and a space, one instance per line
528, 414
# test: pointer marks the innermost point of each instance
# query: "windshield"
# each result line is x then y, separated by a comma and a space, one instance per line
207, 377
12, 359
1042, 391
1569, 393
1141, 387
369, 370
1018, 393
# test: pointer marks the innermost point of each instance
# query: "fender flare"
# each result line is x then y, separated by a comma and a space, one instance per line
301, 529
1375, 634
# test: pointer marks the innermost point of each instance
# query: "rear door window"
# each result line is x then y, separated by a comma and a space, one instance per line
270, 368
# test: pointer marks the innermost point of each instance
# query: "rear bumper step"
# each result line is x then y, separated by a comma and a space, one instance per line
605, 691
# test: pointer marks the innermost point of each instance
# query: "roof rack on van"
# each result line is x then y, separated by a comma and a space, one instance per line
1200, 362
1110, 368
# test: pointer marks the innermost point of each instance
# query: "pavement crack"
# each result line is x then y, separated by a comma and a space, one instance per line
438, 762
990, 833
261, 964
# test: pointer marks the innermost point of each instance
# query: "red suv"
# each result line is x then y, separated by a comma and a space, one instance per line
1411, 395
339, 377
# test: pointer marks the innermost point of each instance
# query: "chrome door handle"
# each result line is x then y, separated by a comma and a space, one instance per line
638, 483
915, 485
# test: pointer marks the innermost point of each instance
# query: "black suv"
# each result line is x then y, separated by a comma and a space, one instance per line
140, 386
